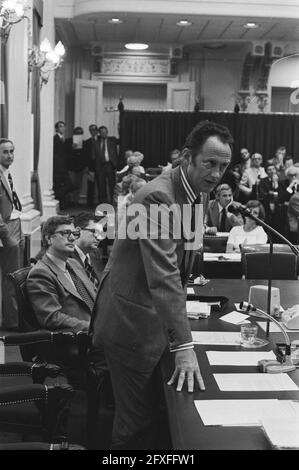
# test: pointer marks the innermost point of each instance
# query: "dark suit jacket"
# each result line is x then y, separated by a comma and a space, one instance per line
88, 154
6, 203
141, 305
212, 217
59, 160
10, 231
112, 151
56, 303
264, 189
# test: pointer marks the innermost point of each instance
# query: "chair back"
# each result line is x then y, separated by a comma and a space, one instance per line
283, 266
26, 318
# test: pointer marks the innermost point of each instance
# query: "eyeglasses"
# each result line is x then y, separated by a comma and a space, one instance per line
67, 233
9, 151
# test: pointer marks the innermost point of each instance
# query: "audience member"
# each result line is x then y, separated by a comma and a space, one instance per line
250, 233
126, 169
288, 162
218, 219
106, 165
87, 250
92, 154
271, 195
175, 160
291, 184
59, 289
61, 182
251, 177
75, 162
11, 237
293, 217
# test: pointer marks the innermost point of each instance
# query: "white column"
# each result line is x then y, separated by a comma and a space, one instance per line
20, 124
45, 170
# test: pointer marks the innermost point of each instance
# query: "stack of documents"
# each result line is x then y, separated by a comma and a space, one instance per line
247, 412
196, 309
235, 318
283, 431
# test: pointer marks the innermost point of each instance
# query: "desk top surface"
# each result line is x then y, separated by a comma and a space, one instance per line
187, 429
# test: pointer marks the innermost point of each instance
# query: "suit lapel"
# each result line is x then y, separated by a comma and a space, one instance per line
67, 285
5, 185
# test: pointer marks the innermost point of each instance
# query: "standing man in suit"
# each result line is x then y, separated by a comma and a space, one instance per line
92, 154
141, 305
87, 250
218, 219
61, 184
106, 165
11, 237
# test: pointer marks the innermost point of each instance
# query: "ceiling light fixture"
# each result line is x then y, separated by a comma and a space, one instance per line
136, 46
251, 25
115, 21
184, 23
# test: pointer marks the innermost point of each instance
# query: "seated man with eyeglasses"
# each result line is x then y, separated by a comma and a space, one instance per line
60, 291
87, 247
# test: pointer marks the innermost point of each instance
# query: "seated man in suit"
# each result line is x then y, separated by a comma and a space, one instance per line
87, 249
217, 218
59, 289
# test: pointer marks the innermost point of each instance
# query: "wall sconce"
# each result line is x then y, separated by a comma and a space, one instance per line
262, 100
11, 12
45, 59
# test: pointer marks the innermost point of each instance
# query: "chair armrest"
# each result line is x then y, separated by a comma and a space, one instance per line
23, 394
38, 372
84, 342
41, 336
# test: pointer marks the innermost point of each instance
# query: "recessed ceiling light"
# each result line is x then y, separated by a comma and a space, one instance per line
115, 21
184, 23
251, 25
136, 46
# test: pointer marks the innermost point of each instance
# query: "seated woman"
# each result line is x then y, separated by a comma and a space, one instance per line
250, 233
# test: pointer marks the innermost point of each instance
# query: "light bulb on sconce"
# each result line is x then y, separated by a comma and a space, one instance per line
11, 13
45, 59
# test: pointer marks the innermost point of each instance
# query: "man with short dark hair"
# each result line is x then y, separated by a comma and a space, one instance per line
11, 237
141, 305
59, 289
87, 250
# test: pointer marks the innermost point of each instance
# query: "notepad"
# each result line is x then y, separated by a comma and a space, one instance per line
196, 309
219, 338
190, 291
238, 358
274, 328
235, 318
254, 382
283, 431
237, 412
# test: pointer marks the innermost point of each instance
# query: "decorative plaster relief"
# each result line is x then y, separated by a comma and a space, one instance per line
135, 66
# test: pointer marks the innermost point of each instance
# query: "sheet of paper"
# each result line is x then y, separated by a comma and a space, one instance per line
190, 291
235, 318
219, 338
236, 412
236, 358
283, 431
194, 306
254, 382
273, 327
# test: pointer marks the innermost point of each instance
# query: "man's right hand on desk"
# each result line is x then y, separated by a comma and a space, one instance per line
186, 367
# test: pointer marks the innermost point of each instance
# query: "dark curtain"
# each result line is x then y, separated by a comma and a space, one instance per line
155, 134
3, 93
35, 93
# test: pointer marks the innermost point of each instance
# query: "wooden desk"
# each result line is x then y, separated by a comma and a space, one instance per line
186, 427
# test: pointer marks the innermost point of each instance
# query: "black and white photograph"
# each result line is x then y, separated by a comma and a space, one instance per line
149, 228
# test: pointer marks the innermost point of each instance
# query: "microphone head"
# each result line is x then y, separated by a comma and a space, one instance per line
233, 209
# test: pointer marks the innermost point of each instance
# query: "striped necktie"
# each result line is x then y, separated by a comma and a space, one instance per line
15, 199
185, 265
81, 289
91, 273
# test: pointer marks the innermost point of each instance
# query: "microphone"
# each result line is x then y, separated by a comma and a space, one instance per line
235, 208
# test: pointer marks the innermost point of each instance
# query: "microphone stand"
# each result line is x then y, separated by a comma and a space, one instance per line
270, 231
